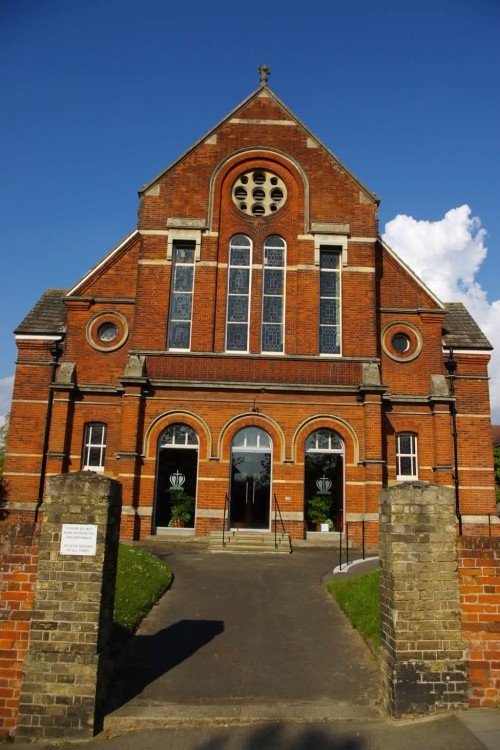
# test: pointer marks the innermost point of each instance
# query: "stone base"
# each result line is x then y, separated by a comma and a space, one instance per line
420, 687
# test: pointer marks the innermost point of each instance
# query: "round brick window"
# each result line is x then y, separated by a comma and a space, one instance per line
401, 341
259, 192
107, 331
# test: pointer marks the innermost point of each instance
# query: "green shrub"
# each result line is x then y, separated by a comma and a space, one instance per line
181, 506
318, 509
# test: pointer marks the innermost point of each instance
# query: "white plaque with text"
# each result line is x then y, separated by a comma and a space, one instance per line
78, 539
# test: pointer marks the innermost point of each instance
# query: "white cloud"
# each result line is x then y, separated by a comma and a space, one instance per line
447, 255
6, 385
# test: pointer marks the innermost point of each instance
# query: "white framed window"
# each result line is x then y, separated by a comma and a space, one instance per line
238, 293
181, 297
179, 436
329, 303
406, 456
273, 295
94, 446
251, 439
324, 441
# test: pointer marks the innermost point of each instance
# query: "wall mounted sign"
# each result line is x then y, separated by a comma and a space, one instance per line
78, 539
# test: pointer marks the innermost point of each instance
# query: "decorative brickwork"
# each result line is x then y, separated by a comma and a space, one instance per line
479, 571
140, 385
424, 668
18, 564
67, 666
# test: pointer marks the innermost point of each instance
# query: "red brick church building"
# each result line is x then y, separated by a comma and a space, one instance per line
253, 341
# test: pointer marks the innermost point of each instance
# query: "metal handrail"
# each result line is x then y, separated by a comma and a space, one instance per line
226, 506
277, 508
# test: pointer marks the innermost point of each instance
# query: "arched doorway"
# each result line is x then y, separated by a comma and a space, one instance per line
176, 477
324, 479
250, 483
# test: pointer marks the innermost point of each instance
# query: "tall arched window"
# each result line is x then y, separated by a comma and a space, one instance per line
94, 446
324, 479
176, 476
238, 293
273, 294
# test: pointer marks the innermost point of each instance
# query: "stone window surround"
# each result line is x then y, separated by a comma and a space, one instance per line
330, 235
185, 230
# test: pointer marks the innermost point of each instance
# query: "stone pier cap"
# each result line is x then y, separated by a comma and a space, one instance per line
87, 486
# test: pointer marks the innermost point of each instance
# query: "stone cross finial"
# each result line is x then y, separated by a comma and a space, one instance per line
264, 73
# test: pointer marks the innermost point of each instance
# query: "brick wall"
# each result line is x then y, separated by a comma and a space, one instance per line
479, 576
18, 564
293, 389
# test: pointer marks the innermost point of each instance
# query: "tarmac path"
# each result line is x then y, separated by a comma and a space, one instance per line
241, 638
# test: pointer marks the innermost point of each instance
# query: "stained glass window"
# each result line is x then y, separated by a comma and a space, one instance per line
238, 297
273, 294
181, 298
329, 312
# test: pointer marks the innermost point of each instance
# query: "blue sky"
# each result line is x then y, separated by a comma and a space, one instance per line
99, 95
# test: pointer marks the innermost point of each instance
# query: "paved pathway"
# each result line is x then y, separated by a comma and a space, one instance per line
243, 637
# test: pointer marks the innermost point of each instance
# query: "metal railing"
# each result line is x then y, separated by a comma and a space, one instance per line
277, 512
226, 507
345, 530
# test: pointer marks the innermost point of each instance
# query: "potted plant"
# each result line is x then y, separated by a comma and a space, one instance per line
181, 507
318, 508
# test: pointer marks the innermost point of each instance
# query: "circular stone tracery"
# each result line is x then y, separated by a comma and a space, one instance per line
259, 192
107, 330
401, 341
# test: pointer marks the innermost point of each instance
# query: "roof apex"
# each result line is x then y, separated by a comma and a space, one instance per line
262, 90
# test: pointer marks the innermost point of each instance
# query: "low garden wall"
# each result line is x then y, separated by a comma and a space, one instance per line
479, 577
19, 546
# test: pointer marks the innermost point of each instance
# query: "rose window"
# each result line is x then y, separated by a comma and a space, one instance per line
259, 193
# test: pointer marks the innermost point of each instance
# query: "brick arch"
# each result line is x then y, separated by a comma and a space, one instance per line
325, 421
265, 158
162, 421
406, 424
250, 419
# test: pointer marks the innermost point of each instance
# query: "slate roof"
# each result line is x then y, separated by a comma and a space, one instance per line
47, 317
461, 330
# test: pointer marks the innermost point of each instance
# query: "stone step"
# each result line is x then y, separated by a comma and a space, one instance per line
248, 541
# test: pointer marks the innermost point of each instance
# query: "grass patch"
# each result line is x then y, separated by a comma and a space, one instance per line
359, 598
141, 579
